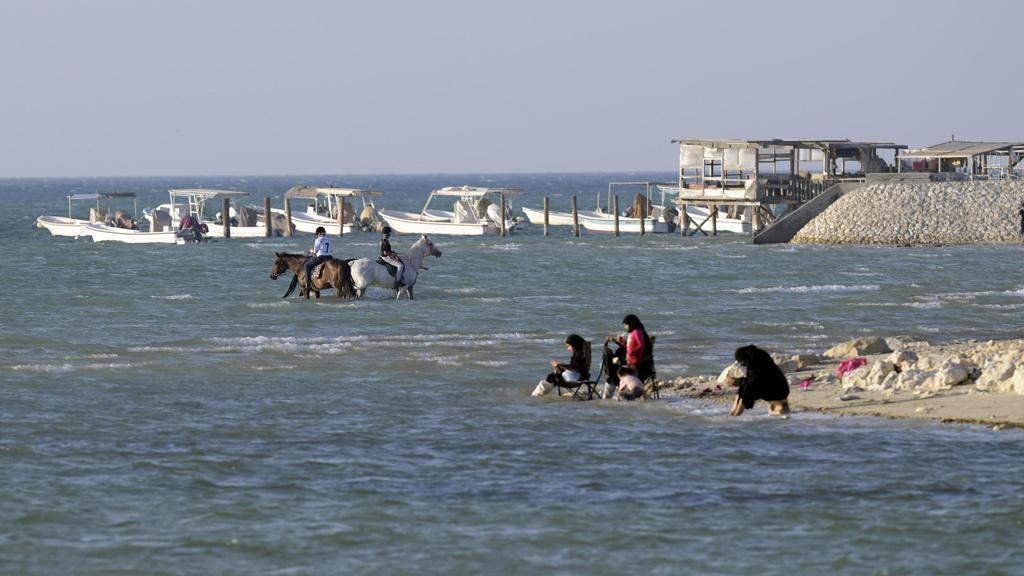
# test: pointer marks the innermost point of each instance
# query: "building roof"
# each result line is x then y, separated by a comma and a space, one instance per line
822, 144
961, 149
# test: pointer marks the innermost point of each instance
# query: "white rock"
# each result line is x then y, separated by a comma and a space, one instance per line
858, 347
995, 377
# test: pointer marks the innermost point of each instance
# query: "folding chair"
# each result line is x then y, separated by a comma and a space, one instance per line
584, 388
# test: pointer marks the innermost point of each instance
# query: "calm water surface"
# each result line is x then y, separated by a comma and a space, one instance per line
163, 410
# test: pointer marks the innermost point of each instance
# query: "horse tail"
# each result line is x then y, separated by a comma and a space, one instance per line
348, 289
291, 287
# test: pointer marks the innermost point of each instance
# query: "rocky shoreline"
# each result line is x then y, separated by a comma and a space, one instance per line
970, 382
921, 213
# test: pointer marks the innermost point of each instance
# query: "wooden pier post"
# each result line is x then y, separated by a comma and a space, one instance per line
288, 217
341, 216
714, 219
268, 221
225, 218
755, 221
616, 212
685, 220
575, 219
501, 200
546, 224
643, 219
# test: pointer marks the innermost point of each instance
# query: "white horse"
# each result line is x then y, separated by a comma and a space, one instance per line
367, 271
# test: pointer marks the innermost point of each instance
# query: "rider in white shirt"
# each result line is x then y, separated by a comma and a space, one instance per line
321, 251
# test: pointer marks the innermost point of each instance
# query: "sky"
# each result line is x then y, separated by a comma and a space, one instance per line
225, 87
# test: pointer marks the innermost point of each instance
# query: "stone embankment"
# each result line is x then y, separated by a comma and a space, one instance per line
966, 381
921, 213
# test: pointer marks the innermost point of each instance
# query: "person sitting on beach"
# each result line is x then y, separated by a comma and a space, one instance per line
630, 387
758, 378
321, 253
576, 370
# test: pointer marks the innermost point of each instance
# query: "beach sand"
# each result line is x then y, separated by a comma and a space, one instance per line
826, 393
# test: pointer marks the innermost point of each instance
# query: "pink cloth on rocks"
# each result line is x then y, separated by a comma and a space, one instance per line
850, 365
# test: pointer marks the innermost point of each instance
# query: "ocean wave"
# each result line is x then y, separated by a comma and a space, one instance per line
278, 304
175, 297
491, 363
462, 290
929, 305
90, 356
809, 289
65, 368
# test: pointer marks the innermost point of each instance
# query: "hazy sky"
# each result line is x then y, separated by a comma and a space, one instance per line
258, 87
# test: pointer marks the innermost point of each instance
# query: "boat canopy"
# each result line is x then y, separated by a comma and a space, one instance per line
313, 192
205, 194
471, 191
102, 196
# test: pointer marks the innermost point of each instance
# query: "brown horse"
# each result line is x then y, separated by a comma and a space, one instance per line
336, 274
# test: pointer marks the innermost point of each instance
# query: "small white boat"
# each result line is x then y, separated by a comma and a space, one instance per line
324, 206
75, 227
192, 201
626, 225
476, 213
558, 218
105, 233
699, 215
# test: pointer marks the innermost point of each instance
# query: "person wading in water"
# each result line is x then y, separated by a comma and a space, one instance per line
389, 256
321, 253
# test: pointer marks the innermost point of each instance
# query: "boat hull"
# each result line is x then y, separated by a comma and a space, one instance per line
626, 225
307, 224
62, 226
104, 233
558, 218
409, 223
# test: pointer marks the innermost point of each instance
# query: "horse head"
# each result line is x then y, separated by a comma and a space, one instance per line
431, 249
279, 267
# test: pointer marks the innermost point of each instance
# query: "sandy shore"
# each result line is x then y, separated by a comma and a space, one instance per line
815, 386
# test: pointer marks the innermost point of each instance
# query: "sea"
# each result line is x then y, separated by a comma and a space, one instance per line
163, 410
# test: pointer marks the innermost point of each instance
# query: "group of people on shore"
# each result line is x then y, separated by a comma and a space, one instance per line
627, 361
629, 370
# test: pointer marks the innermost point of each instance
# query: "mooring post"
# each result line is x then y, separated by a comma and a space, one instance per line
287, 217
755, 221
341, 217
575, 219
714, 219
546, 216
685, 221
615, 203
225, 219
501, 200
268, 222
643, 217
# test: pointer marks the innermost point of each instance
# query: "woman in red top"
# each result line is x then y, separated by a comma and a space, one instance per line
637, 347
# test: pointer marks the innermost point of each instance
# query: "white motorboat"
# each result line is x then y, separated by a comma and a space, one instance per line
192, 201
658, 220
558, 218
75, 227
699, 216
476, 213
325, 205
105, 233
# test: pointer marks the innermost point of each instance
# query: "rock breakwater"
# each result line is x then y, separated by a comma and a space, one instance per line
921, 213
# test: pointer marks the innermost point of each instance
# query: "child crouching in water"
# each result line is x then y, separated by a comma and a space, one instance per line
630, 387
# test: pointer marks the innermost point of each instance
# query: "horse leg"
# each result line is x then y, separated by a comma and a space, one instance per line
409, 292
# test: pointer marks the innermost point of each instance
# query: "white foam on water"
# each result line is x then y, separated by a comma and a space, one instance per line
929, 305
279, 304
175, 297
65, 368
462, 290
491, 363
90, 356
272, 368
812, 289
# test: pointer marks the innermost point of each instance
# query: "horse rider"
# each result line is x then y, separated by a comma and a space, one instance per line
389, 256
321, 252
